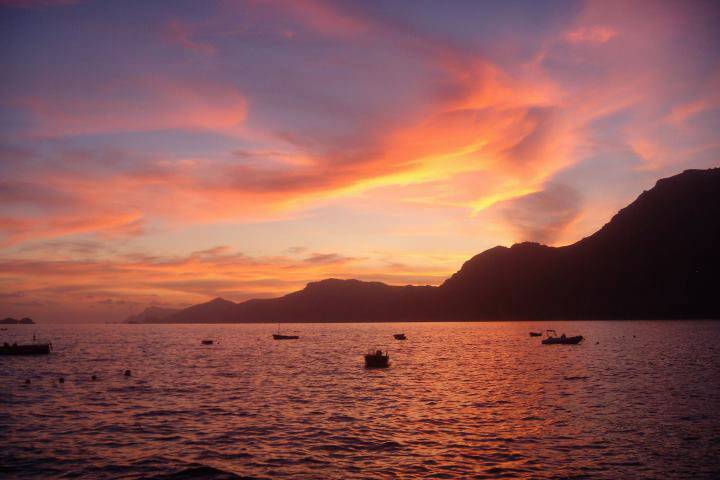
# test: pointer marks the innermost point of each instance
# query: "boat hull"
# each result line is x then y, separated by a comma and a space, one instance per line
563, 341
285, 337
377, 361
32, 349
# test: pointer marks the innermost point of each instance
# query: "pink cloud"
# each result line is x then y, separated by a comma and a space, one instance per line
592, 35
145, 103
319, 16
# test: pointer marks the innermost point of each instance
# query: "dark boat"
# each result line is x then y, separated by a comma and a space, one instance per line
277, 336
377, 359
553, 339
536, 334
28, 349
207, 342
400, 336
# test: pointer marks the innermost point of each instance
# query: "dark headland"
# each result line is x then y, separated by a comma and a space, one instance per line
658, 258
15, 321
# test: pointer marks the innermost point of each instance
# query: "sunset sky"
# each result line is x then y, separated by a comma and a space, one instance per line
166, 153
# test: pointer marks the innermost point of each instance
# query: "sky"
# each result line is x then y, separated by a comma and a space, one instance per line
167, 153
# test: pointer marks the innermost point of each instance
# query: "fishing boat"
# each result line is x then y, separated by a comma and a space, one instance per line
400, 336
553, 339
536, 334
279, 336
27, 349
377, 359
207, 342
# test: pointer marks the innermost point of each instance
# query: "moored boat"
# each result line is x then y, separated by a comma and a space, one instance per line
400, 336
553, 339
278, 336
27, 349
377, 359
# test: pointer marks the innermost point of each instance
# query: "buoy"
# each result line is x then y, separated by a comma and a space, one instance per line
94, 377
61, 380
27, 381
127, 373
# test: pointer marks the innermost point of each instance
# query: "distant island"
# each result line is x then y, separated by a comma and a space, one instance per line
15, 321
658, 258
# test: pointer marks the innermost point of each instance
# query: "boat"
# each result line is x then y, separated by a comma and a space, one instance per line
207, 342
553, 339
400, 336
27, 349
536, 334
279, 336
377, 359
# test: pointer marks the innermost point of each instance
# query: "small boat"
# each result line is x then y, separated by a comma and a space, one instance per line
377, 359
400, 336
536, 334
207, 342
553, 339
27, 349
279, 336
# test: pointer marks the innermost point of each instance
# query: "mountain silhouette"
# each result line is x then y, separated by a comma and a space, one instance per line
151, 314
656, 258
214, 311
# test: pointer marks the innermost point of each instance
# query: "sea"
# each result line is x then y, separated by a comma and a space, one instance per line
636, 399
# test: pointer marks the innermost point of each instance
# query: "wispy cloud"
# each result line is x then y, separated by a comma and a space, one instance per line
592, 35
181, 34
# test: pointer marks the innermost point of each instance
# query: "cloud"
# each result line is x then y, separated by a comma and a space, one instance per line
592, 35
135, 103
317, 16
18, 229
328, 258
471, 117
11, 295
544, 215
181, 34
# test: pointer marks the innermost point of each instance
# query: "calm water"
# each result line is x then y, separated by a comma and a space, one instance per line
460, 400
